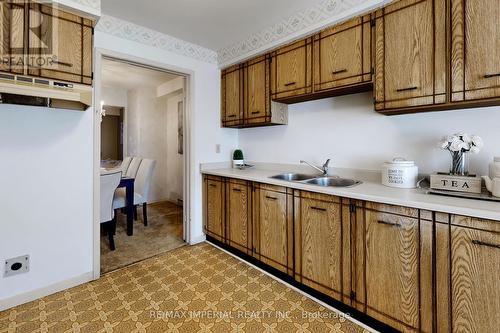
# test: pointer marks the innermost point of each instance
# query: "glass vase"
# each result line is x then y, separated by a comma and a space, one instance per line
459, 163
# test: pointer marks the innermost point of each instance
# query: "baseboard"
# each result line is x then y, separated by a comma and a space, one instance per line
32, 295
197, 240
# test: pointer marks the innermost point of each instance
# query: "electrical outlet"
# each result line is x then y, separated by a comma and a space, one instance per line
217, 148
15, 266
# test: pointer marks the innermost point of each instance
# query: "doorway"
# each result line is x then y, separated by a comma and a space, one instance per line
143, 112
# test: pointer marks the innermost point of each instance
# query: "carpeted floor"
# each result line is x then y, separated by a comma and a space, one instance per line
163, 233
191, 289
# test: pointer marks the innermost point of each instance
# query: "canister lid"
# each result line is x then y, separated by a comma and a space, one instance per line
399, 161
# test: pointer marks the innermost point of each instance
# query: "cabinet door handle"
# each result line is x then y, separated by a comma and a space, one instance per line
318, 208
478, 242
290, 84
212, 185
339, 71
62, 63
487, 76
231, 115
271, 198
406, 89
236, 190
255, 112
397, 225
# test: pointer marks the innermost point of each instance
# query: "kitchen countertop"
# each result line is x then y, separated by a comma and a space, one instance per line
372, 191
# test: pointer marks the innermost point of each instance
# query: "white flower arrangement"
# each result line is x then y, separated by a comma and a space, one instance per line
462, 142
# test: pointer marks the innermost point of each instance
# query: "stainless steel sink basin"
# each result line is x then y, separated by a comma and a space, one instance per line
333, 182
294, 177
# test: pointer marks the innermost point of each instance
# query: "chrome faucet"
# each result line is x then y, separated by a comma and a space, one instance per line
323, 169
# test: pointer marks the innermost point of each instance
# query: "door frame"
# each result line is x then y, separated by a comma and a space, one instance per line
99, 54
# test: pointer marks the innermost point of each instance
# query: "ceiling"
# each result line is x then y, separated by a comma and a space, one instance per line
126, 76
213, 24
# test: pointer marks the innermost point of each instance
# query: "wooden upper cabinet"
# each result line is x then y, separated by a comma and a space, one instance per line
232, 96
291, 71
410, 55
343, 56
474, 256
257, 90
63, 44
475, 49
12, 41
398, 250
238, 213
273, 226
214, 207
318, 243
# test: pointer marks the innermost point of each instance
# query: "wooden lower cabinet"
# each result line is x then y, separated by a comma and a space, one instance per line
397, 267
214, 217
318, 243
273, 226
414, 270
238, 215
469, 283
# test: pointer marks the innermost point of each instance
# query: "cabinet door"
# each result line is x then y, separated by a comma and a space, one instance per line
475, 278
475, 49
257, 91
232, 97
12, 32
273, 213
318, 243
291, 74
410, 55
214, 208
62, 46
238, 215
342, 55
397, 247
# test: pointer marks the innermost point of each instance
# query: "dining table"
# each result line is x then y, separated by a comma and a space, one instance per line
128, 184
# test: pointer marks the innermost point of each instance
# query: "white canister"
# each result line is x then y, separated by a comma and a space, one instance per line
400, 173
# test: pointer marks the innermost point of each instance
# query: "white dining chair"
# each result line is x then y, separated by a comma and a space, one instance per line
109, 184
141, 190
125, 164
133, 167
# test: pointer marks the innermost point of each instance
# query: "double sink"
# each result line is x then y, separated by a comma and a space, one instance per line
324, 181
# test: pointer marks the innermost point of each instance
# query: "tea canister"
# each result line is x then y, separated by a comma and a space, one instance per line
400, 173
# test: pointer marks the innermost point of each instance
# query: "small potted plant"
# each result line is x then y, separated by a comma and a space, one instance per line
459, 145
238, 158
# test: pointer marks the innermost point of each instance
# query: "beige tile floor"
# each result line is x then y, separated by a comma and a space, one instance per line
191, 289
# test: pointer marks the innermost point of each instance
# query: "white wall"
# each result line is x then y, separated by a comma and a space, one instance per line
174, 168
114, 96
46, 177
205, 111
147, 135
349, 131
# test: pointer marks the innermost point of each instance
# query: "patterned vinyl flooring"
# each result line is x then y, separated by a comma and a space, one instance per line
191, 289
